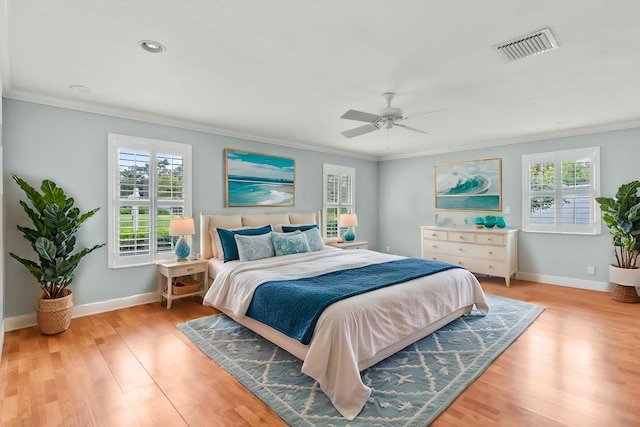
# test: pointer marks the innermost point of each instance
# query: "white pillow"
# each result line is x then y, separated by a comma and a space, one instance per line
289, 243
251, 248
314, 239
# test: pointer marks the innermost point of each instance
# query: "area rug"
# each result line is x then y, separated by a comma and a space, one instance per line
410, 388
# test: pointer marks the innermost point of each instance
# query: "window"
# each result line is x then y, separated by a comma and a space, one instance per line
149, 183
338, 197
559, 191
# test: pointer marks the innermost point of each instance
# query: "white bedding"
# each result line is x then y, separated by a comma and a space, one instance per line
351, 334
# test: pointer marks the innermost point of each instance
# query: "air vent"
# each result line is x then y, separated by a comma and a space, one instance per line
532, 44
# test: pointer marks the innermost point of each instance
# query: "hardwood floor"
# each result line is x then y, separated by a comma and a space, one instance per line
577, 365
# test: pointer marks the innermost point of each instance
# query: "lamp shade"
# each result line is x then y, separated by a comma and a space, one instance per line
348, 220
182, 227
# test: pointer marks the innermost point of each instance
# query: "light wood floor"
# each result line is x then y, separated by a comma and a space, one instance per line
577, 365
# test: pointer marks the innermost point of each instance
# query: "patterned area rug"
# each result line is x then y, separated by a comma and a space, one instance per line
410, 388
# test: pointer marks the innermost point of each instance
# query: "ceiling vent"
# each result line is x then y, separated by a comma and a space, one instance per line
529, 45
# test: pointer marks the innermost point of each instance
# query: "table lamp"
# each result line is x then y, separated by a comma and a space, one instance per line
183, 226
349, 220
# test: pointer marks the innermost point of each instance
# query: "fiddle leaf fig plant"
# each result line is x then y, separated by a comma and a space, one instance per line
55, 222
622, 216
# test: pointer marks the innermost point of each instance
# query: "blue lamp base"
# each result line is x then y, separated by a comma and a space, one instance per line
182, 249
349, 235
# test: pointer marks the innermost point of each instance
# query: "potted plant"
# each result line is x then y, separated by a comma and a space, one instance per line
55, 221
622, 216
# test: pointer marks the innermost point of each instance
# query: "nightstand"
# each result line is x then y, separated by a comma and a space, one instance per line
172, 273
355, 244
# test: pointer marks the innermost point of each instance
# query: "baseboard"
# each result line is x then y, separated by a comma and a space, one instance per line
28, 320
566, 281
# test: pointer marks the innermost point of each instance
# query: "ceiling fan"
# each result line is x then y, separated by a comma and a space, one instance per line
388, 118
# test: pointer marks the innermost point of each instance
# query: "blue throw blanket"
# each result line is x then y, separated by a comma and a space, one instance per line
294, 306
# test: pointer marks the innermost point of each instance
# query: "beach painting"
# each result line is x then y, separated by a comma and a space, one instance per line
469, 185
257, 179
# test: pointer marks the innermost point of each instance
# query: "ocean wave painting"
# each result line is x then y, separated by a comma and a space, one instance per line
469, 185
461, 183
256, 179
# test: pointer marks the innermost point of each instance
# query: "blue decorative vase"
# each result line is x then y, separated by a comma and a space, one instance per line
182, 249
500, 222
349, 235
489, 221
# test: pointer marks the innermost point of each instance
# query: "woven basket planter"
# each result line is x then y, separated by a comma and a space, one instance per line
54, 315
626, 279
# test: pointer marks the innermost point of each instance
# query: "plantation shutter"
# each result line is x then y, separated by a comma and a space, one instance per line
134, 201
149, 182
559, 191
339, 196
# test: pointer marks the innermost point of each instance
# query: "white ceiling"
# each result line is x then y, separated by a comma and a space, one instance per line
284, 71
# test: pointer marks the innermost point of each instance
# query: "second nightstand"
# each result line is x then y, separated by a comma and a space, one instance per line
354, 244
170, 271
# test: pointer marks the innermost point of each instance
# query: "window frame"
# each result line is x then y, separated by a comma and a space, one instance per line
154, 147
329, 169
591, 154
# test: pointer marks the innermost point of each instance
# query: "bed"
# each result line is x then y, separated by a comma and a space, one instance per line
351, 334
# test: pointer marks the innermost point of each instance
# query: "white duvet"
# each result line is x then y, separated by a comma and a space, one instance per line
352, 332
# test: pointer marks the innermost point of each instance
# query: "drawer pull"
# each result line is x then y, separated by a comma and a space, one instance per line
490, 253
189, 269
434, 235
489, 239
461, 237
434, 246
460, 263
461, 250
490, 267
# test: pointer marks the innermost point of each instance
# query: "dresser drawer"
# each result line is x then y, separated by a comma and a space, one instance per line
434, 234
465, 250
493, 268
481, 266
461, 236
437, 256
491, 239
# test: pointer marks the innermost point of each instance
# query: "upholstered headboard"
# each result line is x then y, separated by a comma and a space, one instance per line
209, 223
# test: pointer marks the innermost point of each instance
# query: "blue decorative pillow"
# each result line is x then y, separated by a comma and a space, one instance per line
251, 248
228, 241
314, 239
289, 243
290, 228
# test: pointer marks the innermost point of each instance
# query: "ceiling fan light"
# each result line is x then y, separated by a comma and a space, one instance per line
388, 124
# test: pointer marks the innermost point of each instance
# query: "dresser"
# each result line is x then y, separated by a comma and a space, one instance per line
490, 251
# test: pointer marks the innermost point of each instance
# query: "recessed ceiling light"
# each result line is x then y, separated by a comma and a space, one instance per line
80, 88
151, 46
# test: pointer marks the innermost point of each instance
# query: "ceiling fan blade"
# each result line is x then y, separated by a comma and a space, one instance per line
359, 130
409, 127
429, 112
360, 116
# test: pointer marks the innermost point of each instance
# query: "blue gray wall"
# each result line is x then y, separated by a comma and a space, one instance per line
406, 201
70, 148
394, 197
